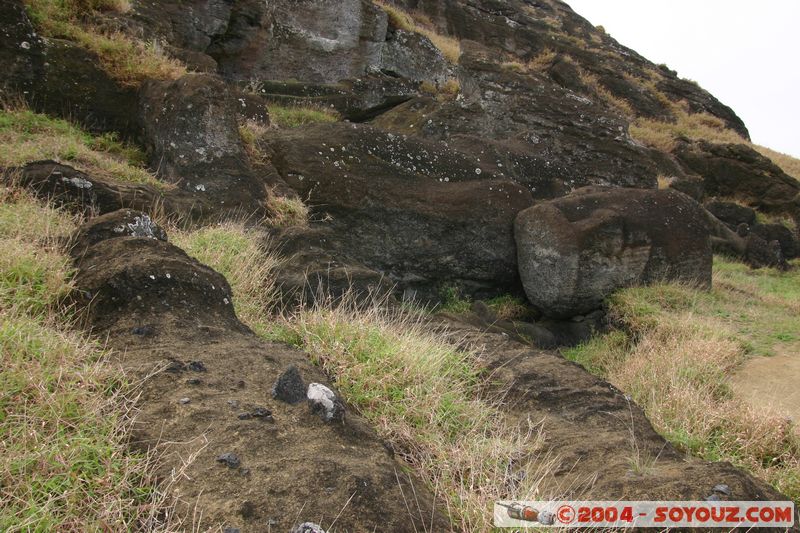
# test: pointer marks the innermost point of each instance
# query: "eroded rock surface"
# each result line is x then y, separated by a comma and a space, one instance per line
161, 311
193, 140
409, 209
575, 251
597, 441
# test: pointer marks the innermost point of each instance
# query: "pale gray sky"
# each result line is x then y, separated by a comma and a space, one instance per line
745, 53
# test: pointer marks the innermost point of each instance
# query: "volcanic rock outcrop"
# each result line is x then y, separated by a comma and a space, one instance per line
577, 250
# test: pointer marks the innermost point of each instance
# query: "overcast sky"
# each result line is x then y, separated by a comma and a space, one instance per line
745, 53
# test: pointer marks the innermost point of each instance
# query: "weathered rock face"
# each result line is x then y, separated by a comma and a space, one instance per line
310, 40
409, 209
523, 30
528, 129
738, 171
60, 78
207, 384
193, 140
731, 213
414, 57
575, 251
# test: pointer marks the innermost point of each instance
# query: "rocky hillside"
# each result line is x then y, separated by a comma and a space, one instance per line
279, 199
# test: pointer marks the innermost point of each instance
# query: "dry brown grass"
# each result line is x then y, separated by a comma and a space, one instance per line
677, 350
665, 182
26, 136
591, 81
694, 126
450, 47
541, 61
126, 59
789, 164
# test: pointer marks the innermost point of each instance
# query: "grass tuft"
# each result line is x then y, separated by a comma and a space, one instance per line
450, 47
293, 116
677, 349
286, 211
26, 136
237, 253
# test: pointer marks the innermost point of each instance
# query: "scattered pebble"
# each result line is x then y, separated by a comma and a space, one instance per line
289, 386
260, 412
143, 331
231, 460
722, 489
184, 401
197, 366
308, 527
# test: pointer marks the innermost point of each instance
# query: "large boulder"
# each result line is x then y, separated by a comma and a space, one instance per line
575, 251
410, 209
193, 140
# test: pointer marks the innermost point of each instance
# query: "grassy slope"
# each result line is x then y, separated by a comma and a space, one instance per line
676, 348
27, 136
64, 464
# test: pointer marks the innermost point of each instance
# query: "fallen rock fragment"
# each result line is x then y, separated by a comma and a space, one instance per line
229, 459
308, 527
324, 402
289, 387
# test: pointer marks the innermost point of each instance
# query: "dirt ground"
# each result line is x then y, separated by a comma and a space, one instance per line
772, 382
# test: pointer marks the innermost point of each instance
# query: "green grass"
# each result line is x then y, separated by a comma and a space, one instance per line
505, 307
127, 60
239, 254
678, 345
423, 396
26, 136
64, 463
293, 116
